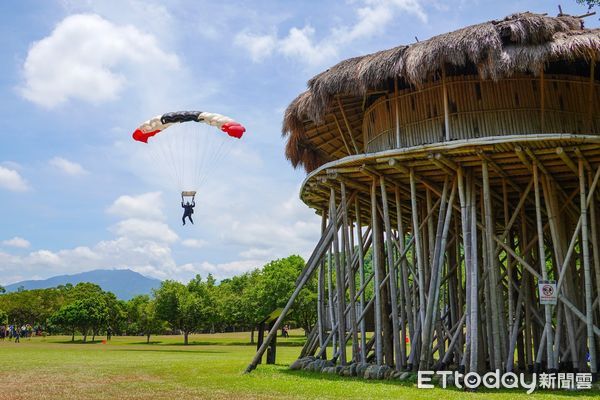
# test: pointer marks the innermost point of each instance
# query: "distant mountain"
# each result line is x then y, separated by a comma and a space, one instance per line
124, 283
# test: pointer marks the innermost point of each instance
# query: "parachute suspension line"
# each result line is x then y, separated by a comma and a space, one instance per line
191, 140
207, 160
158, 154
165, 144
219, 153
173, 151
189, 154
206, 143
199, 139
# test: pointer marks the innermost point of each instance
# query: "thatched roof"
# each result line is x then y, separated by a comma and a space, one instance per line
522, 42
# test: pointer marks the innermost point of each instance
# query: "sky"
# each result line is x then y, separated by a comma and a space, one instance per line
77, 77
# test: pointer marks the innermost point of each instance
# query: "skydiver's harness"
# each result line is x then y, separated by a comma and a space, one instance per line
185, 194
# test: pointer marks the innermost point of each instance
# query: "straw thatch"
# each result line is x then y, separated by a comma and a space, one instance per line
522, 42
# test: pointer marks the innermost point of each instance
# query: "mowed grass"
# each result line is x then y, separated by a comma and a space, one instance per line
211, 367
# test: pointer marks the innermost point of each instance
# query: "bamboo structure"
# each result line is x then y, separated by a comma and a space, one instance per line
453, 175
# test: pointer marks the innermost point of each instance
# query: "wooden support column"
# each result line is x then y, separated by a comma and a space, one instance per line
339, 283
448, 135
330, 301
346, 246
321, 290
361, 271
406, 305
377, 262
542, 102
418, 251
523, 239
587, 278
399, 356
542, 260
445, 215
311, 265
397, 114
596, 257
590, 110
559, 243
466, 232
492, 270
509, 267
354, 146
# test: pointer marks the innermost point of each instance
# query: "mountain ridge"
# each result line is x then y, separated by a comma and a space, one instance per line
124, 283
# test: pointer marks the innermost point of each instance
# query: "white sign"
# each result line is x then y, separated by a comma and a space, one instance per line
547, 291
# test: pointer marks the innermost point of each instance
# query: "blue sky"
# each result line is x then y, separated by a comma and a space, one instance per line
77, 77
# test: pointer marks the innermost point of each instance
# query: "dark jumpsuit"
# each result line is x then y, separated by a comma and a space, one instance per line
188, 211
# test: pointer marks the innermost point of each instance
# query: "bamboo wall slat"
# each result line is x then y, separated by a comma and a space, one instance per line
482, 108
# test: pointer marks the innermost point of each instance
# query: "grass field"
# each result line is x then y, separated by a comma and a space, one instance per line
210, 368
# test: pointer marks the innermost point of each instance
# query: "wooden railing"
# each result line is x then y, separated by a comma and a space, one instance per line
477, 108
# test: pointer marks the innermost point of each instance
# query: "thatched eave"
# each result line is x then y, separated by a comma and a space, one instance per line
523, 42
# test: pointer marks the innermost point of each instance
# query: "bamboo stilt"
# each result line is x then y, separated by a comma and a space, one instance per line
377, 262
587, 270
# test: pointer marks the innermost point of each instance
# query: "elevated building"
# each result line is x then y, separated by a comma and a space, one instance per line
454, 176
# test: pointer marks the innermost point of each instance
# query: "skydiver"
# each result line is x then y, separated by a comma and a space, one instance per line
188, 210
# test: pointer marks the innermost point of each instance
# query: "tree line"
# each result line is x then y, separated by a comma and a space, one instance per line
201, 305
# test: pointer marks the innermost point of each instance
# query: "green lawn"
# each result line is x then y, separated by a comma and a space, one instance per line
211, 367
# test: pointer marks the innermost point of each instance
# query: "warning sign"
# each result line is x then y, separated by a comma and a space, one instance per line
547, 291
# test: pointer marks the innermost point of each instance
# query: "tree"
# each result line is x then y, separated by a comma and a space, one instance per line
191, 313
31, 306
3, 317
67, 318
278, 284
116, 317
142, 315
181, 306
589, 3
2, 289
207, 293
81, 315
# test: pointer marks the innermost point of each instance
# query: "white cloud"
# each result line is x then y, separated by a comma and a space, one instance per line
300, 44
17, 242
86, 58
147, 205
194, 243
372, 18
12, 180
44, 257
68, 167
145, 230
254, 252
259, 46
242, 240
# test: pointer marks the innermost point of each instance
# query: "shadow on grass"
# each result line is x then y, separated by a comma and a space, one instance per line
295, 342
78, 341
338, 378
212, 343
172, 351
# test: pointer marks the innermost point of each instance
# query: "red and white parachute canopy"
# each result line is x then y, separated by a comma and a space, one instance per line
162, 122
188, 152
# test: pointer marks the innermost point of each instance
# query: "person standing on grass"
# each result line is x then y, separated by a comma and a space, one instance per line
17, 335
108, 333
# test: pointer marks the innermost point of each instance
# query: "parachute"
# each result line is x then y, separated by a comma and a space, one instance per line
189, 151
